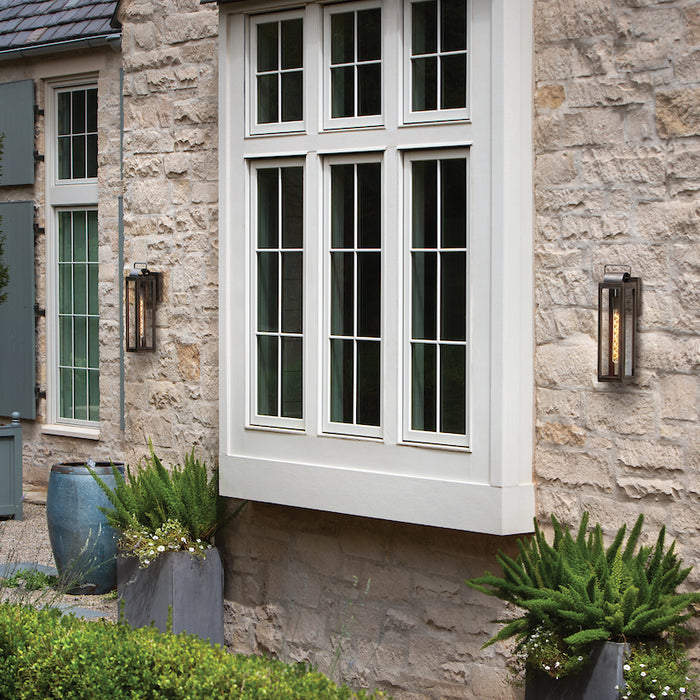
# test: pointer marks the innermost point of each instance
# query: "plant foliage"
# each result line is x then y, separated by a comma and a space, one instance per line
53, 657
585, 592
152, 495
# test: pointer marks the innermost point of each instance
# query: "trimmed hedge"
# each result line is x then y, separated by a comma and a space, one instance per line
45, 655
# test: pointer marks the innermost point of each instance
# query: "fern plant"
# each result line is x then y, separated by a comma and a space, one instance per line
585, 593
153, 495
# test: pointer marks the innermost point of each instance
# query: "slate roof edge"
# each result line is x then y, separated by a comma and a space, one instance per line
112, 39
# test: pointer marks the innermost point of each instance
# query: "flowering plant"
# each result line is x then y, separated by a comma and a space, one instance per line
171, 536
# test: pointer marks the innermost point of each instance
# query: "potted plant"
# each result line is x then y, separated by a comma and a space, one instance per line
590, 613
169, 572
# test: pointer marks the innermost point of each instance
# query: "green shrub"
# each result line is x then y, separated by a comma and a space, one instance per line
44, 655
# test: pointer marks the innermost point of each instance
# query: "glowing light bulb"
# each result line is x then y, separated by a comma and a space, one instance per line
616, 336
142, 320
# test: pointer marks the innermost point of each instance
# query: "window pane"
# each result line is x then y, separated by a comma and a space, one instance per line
79, 237
453, 25
453, 81
267, 375
453, 296
292, 377
93, 343
92, 110
424, 83
292, 207
94, 380
369, 31
292, 292
65, 325
369, 205
342, 206
342, 381
93, 297
453, 203
343, 92
424, 27
342, 296
65, 289
91, 155
342, 37
80, 341
79, 114
267, 46
292, 44
292, 97
369, 270
64, 119
268, 297
368, 382
80, 392
424, 299
65, 253
65, 393
268, 205
92, 236
64, 158
424, 200
453, 389
369, 89
423, 387
78, 144
267, 98
79, 289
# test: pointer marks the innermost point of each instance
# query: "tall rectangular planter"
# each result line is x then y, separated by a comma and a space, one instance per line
596, 682
192, 586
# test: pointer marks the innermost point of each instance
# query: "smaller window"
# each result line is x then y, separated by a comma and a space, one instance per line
277, 64
76, 121
437, 71
353, 58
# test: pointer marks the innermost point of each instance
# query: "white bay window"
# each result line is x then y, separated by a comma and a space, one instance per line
376, 258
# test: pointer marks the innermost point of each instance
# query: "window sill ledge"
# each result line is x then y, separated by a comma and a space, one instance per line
74, 431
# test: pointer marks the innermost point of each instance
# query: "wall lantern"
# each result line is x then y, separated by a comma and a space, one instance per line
142, 294
619, 304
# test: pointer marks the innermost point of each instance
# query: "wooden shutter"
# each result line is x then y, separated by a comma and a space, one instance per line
17, 123
17, 354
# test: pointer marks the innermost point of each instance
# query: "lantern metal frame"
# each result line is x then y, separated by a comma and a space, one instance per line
142, 294
619, 304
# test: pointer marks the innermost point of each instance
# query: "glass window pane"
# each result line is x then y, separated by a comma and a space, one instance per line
343, 92
292, 385
268, 205
93, 343
369, 89
424, 27
292, 207
342, 37
66, 393
268, 291
453, 296
453, 81
80, 354
91, 155
292, 292
369, 205
267, 375
453, 203
369, 270
267, 46
292, 97
94, 380
369, 35
424, 298
424, 87
79, 236
453, 25
368, 382
424, 204
342, 361
453, 389
64, 119
292, 44
93, 297
92, 109
78, 144
64, 236
342, 206
64, 158
267, 98
342, 295
92, 235
65, 324
80, 392
79, 289
79, 114
423, 387
65, 289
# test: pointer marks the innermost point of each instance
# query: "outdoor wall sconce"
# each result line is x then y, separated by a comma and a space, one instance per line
142, 294
619, 304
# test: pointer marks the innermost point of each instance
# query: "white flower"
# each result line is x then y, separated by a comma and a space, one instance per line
155, 537
643, 673
183, 539
617, 687
580, 658
651, 695
161, 548
668, 687
626, 667
191, 549
209, 547
146, 561
642, 666
546, 668
682, 690
198, 540
664, 694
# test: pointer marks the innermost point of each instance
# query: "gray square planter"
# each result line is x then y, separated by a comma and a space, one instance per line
194, 588
597, 682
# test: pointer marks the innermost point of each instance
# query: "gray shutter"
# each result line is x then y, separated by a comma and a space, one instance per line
17, 123
17, 355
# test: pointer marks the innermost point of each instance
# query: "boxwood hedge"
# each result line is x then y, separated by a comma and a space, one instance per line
46, 655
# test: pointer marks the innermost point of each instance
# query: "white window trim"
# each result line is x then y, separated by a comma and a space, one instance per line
78, 194
487, 489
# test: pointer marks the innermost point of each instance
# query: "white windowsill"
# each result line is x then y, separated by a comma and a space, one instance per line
75, 431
